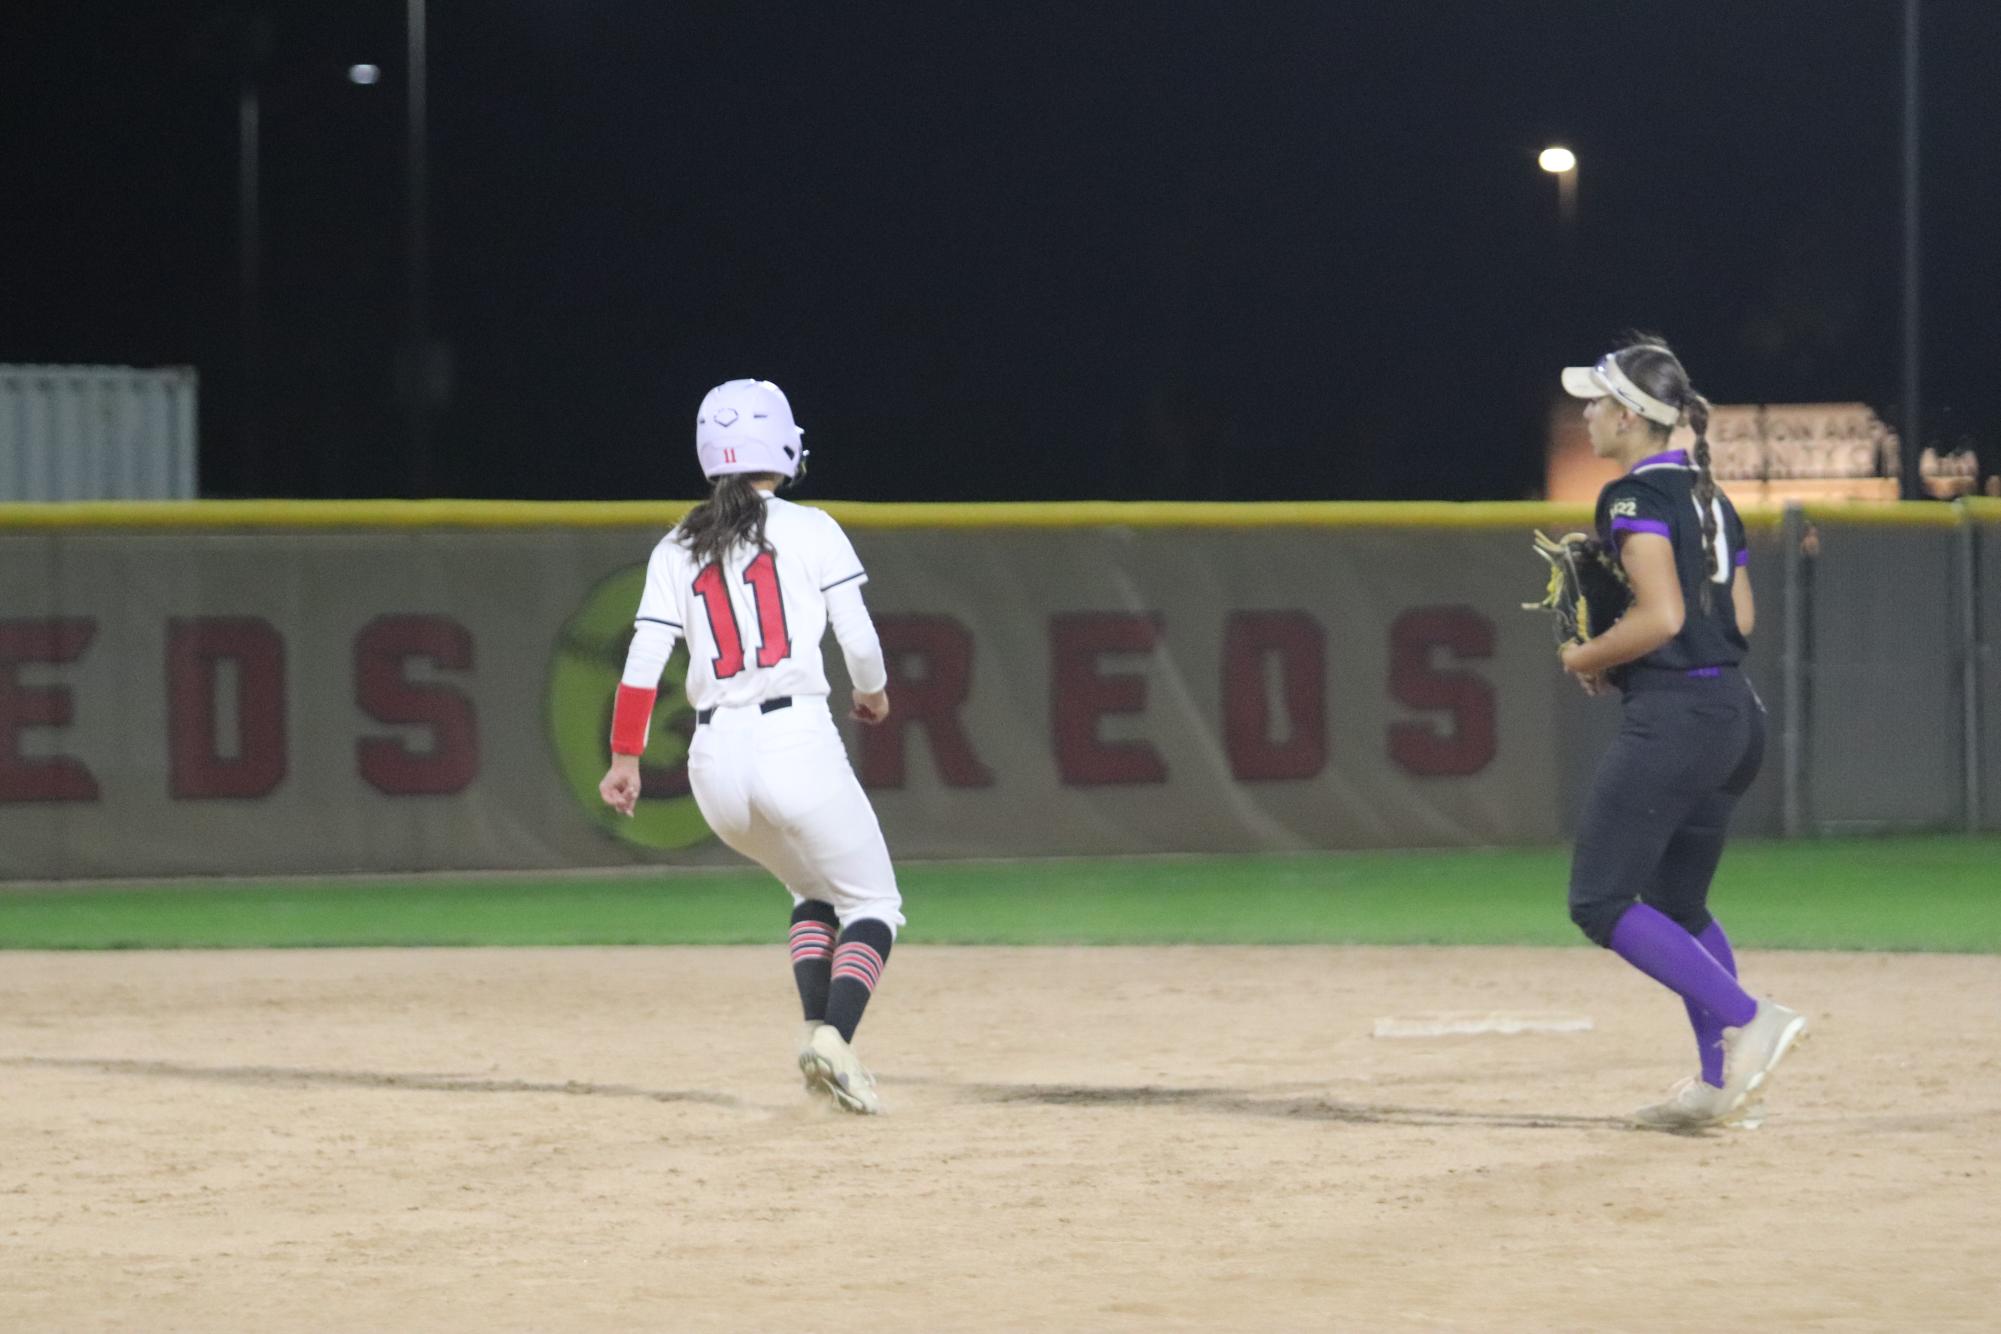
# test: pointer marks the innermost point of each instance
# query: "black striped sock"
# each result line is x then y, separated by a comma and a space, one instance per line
858, 962
813, 927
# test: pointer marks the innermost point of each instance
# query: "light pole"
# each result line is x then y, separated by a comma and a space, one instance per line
1561, 163
418, 370
249, 262
254, 50
1910, 481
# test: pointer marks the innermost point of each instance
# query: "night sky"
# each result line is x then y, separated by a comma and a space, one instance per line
998, 251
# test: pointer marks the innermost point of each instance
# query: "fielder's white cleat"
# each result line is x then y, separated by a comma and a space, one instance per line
1690, 1105
1752, 1052
1693, 1104
831, 1065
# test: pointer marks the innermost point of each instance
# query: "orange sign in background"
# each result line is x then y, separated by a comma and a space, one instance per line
1770, 454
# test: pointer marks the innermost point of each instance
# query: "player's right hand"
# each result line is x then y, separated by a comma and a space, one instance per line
1592, 683
620, 785
871, 706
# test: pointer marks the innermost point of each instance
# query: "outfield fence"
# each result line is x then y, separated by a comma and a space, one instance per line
264, 688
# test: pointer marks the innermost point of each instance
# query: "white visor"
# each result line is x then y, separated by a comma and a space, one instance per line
1607, 379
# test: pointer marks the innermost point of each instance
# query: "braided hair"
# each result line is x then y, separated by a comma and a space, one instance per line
733, 515
1649, 363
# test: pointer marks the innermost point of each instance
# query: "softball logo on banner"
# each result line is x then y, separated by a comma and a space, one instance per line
583, 677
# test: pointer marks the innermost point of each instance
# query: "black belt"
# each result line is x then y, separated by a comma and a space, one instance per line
1683, 678
769, 706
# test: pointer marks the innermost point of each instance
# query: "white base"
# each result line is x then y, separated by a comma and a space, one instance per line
1466, 1023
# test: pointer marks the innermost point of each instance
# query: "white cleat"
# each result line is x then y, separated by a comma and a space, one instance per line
806, 1032
1690, 1105
1693, 1104
831, 1066
1752, 1052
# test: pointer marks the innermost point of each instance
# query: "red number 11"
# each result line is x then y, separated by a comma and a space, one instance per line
774, 640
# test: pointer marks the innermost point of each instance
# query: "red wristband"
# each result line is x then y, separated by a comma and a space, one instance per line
629, 719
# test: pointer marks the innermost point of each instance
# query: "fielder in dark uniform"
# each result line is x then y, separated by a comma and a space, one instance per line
1693, 732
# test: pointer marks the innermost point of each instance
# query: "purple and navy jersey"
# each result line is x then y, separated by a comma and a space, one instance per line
1658, 496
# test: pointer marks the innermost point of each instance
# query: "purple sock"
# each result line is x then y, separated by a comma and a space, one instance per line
1657, 946
1708, 1028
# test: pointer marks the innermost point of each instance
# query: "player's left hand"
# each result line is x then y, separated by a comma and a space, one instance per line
871, 706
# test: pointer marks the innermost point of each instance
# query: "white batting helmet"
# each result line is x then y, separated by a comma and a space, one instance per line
747, 426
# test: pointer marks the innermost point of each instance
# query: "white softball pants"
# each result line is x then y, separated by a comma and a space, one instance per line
778, 788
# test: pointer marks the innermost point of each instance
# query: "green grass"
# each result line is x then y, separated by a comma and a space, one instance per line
1892, 894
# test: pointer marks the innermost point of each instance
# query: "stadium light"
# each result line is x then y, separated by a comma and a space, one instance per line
1561, 163
364, 75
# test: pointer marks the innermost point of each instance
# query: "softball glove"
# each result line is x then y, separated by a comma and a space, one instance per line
1587, 587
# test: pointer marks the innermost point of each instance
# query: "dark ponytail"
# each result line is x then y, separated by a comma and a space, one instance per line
732, 516
1697, 409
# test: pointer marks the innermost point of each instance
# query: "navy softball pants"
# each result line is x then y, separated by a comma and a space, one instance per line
1659, 809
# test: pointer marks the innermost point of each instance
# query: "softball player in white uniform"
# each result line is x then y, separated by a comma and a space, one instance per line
752, 582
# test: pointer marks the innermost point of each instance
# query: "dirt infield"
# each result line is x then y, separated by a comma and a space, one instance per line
1131, 1139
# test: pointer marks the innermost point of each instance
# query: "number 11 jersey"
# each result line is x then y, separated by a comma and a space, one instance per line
754, 620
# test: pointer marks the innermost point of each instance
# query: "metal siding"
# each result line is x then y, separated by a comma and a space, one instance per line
1987, 666
97, 433
1885, 717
